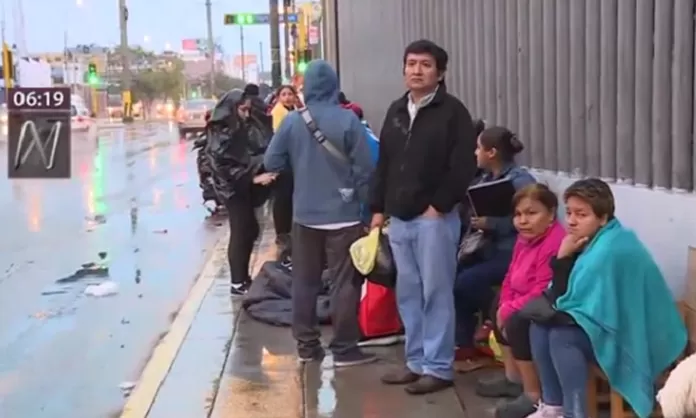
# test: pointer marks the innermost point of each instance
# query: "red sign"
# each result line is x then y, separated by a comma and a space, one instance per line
189, 45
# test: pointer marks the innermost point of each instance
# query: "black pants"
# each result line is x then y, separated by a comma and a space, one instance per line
312, 247
282, 204
516, 337
244, 229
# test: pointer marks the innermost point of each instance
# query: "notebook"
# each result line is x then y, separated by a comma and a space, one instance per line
492, 198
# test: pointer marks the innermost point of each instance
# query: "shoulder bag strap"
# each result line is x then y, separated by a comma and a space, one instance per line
320, 137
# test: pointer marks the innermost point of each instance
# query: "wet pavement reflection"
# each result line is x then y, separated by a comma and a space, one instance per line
92, 268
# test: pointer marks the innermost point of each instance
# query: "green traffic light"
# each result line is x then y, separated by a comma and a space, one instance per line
244, 19
301, 67
92, 79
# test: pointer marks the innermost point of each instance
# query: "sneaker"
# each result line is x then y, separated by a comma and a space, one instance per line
314, 355
240, 289
520, 407
353, 358
499, 387
547, 411
382, 341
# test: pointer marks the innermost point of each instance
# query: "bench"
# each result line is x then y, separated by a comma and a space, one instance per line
600, 392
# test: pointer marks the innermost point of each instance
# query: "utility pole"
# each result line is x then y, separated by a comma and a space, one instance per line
276, 70
241, 42
286, 36
262, 67
211, 45
125, 63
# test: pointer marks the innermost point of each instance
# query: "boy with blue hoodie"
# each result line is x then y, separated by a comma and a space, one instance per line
330, 185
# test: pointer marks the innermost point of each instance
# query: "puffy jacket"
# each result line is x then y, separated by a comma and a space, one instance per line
235, 150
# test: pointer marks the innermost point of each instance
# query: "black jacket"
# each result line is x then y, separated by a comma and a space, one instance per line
235, 151
428, 162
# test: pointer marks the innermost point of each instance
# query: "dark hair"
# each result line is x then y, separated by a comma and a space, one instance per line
595, 193
286, 86
428, 47
251, 89
342, 99
503, 140
539, 192
479, 126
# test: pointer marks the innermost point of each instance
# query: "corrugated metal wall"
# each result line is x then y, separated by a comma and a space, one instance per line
593, 87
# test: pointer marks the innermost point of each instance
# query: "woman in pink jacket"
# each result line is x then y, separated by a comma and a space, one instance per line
539, 237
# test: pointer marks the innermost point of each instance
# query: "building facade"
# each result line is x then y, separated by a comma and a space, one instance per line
592, 87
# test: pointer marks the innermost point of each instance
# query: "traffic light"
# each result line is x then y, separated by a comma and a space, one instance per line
92, 76
303, 59
240, 19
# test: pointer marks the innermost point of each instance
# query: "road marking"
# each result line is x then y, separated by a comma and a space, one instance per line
143, 396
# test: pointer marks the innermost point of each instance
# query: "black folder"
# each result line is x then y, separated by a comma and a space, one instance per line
493, 198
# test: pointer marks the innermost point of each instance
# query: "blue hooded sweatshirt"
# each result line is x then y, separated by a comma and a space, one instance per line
321, 181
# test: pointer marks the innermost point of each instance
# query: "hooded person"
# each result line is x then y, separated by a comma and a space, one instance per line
327, 149
236, 143
259, 109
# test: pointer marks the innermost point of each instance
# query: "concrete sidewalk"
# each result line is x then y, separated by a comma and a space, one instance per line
229, 365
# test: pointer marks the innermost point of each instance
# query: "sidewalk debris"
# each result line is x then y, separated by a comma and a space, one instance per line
107, 288
126, 388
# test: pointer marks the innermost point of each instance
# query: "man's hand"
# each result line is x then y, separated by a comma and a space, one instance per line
431, 212
265, 179
571, 244
499, 323
377, 221
479, 223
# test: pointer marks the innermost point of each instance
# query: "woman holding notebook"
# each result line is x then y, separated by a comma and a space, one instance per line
480, 271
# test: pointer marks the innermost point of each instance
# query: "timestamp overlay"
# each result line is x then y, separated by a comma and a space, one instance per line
39, 140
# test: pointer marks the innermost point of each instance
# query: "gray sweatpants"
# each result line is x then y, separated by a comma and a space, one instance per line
312, 250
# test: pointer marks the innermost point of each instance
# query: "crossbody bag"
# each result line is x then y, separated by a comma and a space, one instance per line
347, 193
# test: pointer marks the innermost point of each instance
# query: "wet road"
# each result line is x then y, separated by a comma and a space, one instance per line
133, 206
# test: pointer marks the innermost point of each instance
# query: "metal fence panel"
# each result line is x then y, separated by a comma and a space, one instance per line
592, 87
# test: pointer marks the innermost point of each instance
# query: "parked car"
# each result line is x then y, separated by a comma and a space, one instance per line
191, 115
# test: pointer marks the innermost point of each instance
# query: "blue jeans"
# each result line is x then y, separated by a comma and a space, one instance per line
473, 293
425, 252
563, 356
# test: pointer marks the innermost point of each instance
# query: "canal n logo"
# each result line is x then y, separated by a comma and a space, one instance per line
39, 147
37, 144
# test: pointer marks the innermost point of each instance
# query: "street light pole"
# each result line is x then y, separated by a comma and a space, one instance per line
126, 79
286, 36
241, 42
276, 71
211, 45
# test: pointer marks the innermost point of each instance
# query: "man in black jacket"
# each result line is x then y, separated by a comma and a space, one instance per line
426, 162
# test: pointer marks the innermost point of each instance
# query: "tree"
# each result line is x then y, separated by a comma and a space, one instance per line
223, 84
159, 83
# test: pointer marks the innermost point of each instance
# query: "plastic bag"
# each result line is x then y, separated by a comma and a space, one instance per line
363, 252
384, 270
495, 347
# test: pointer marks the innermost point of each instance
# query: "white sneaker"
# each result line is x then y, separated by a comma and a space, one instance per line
547, 411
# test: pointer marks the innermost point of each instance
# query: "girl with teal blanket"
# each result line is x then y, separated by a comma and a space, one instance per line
613, 309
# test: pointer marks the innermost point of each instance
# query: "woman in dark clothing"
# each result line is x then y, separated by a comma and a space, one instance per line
236, 143
282, 189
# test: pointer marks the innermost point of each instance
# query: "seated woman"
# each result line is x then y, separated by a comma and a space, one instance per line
495, 155
529, 274
608, 304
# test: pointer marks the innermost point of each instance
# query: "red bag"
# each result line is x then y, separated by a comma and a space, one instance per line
378, 315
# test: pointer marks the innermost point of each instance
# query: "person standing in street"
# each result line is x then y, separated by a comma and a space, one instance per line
426, 162
282, 189
327, 150
234, 151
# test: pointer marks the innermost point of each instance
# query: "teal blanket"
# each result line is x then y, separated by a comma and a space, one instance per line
618, 295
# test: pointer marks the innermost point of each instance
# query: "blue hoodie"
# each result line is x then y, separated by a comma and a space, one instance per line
320, 179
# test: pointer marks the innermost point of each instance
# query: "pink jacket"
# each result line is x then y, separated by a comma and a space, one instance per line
530, 271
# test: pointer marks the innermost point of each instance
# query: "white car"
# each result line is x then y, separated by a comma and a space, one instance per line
81, 120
